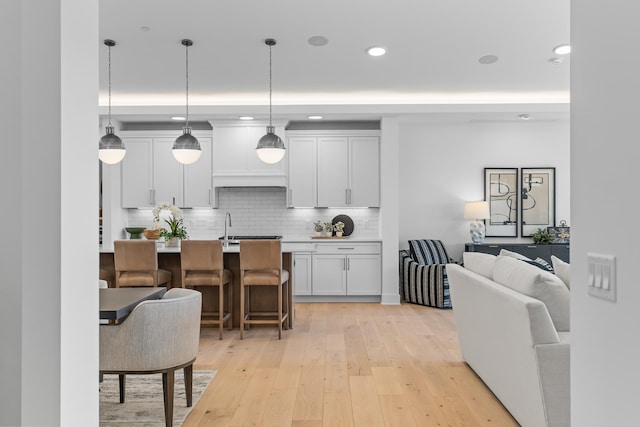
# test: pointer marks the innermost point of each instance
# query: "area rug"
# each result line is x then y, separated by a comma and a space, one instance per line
143, 406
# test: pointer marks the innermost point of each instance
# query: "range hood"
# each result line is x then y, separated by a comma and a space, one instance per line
249, 180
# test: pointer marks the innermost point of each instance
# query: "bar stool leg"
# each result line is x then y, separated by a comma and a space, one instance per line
280, 311
241, 309
220, 306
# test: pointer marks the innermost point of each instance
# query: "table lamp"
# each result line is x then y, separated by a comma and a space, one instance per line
477, 211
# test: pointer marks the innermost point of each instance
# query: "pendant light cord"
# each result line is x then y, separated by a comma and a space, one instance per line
187, 79
109, 85
270, 103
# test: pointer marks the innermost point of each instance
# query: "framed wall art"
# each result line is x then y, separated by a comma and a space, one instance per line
501, 191
538, 199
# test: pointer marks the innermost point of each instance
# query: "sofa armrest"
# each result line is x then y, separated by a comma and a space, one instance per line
554, 372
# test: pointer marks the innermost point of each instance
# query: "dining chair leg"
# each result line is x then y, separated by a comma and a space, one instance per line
167, 389
188, 384
241, 309
121, 384
280, 311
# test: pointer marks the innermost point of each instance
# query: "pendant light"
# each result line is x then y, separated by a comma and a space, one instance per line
186, 148
110, 148
270, 148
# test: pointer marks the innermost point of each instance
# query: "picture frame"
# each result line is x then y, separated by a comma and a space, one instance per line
538, 199
501, 191
561, 234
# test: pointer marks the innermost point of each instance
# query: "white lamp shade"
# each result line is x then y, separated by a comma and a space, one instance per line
476, 210
111, 156
186, 156
270, 155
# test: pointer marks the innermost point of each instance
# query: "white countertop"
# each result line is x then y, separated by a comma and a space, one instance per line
289, 244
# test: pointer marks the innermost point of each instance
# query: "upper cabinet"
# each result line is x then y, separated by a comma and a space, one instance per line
235, 162
334, 169
150, 173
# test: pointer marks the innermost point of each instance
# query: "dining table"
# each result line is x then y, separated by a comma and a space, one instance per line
117, 303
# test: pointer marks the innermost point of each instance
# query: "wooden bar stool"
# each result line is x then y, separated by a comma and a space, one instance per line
202, 265
136, 264
261, 265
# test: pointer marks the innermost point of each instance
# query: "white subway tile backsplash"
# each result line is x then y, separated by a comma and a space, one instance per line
261, 211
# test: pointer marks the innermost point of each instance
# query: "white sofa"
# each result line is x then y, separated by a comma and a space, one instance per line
509, 339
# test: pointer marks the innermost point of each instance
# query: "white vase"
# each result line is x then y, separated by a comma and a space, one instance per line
173, 242
338, 233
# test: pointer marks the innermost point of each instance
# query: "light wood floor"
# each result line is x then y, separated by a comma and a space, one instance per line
344, 365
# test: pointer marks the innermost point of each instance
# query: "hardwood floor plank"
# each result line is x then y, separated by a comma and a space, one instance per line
345, 364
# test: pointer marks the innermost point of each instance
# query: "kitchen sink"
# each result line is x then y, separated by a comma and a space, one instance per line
236, 239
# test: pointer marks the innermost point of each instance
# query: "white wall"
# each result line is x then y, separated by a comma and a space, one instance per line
49, 176
604, 156
443, 167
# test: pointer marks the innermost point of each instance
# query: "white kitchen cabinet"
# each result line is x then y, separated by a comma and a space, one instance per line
333, 171
235, 162
302, 273
137, 173
302, 172
150, 173
364, 171
347, 269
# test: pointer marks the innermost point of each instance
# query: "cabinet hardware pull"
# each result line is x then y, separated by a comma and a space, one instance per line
493, 246
347, 249
346, 196
150, 196
209, 196
290, 197
174, 201
344, 264
349, 196
348, 264
154, 197
532, 246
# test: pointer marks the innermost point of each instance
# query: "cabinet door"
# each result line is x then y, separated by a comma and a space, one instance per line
329, 275
302, 273
137, 173
197, 179
333, 177
364, 171
167, 173
302, 172
363, 275
234, 151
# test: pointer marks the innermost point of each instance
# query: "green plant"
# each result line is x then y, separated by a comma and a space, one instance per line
339, 226
328, 227
542, 237
317, 226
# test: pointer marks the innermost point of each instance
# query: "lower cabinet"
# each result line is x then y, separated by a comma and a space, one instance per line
346, 269
302, 272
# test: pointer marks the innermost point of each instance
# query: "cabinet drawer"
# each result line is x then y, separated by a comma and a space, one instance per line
348, 248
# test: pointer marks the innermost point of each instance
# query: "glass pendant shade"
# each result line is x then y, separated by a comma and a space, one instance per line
270, 148
186, 148
111, 148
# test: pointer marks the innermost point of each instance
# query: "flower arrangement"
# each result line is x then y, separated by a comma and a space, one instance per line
339, 226
317, 226
175, 222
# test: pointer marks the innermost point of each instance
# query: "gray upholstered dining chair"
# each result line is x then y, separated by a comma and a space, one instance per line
159, 336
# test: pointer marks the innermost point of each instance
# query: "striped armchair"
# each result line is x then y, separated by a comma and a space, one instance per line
423, 274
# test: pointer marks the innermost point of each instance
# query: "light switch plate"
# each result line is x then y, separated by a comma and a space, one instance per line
601, 276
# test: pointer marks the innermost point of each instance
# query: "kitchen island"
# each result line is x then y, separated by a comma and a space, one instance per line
169, 259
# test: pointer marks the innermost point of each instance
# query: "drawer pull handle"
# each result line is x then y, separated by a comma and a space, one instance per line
347, 249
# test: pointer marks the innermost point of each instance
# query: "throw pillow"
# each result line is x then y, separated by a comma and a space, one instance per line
562, 270
516, 255
538, 284
540, 263
479, 263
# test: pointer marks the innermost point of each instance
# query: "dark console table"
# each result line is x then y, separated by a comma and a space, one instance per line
530, 250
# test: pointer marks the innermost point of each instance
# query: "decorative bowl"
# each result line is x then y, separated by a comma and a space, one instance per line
135, 232
152, 234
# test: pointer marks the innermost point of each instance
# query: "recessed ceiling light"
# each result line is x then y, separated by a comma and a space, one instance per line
245, 118
318, 41
563, 49
145, 29
488, 59
376, 51
314, 117
556, 60
524, 116
178, 118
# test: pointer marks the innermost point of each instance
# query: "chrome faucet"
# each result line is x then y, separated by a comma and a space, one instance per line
227, 216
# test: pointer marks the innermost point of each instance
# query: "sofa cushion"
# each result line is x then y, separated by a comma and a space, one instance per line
538, 284
428, 252
540, 263
516, 255
562, 270
479, 263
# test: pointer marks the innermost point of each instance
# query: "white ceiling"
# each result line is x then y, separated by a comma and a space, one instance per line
431, 65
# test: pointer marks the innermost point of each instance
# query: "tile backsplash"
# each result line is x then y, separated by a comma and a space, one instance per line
261, 211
